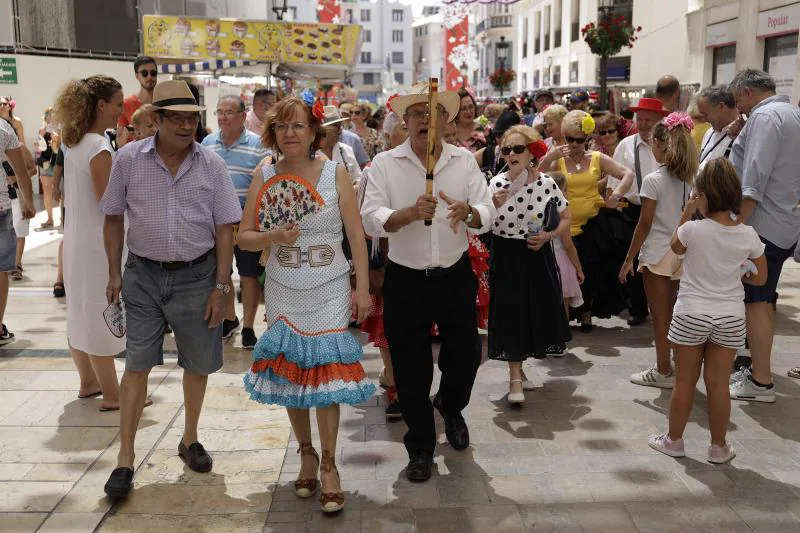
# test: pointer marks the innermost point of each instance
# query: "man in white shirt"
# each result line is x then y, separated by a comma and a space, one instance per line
649, 111
429, 277
717, 105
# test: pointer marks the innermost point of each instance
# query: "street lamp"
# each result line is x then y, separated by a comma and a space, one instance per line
605, 7
502, 55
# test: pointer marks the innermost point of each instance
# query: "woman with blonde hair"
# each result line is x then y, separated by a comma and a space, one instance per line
307, 358
584, 170
360, 113
553, 116
85, 109
664, 195
526, 315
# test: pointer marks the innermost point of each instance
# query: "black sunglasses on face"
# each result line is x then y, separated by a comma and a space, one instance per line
356, 113
606, 132
575, 140
151, 73
517, 149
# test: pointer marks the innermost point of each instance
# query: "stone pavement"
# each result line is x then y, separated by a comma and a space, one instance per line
573, 459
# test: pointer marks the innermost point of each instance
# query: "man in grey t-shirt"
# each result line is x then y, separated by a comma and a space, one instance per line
767, 158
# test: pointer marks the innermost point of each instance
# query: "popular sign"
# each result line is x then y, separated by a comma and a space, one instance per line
779, 21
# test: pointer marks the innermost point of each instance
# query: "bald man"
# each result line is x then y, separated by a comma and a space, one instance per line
668, 90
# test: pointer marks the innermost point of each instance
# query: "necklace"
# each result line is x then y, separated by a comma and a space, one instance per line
578, 163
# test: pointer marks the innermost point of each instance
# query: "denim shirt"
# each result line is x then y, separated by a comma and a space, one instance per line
766, 155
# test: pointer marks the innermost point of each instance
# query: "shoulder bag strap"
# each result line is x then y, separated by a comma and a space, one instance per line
637, 163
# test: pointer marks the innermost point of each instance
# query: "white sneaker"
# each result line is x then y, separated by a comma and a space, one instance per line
739, 375
653, 378
749, 391
662, 443
720, 454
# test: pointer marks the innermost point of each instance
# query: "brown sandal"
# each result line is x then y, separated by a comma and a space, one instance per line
332, 502
305, 488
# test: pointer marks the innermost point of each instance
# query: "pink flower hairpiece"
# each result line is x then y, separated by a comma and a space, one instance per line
678, 118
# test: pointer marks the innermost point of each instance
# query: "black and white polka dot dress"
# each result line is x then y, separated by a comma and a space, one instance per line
526, 311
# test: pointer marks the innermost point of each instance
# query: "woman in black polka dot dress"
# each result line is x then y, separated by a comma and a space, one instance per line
526, 315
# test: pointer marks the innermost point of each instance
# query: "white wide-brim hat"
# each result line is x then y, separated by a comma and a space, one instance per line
332, 116
174, 95
419, 95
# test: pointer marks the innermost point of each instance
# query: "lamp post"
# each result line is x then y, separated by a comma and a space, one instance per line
604, 7
502, 55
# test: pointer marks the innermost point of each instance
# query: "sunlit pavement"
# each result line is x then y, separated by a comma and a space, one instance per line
573, 459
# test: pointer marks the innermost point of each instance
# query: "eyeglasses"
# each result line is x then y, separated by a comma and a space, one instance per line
227, 113
179, 119
357, 113
606, 132
517, 149
423, 115
282, 128
148, 73
575, 140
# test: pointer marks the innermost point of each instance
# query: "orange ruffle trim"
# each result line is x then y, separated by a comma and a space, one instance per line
313, 377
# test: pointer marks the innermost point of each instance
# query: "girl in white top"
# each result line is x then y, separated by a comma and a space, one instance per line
708, 325
664, 193
85, 109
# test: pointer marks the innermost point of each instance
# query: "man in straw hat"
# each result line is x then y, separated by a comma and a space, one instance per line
428, 277
332, 145
181, 207
634, 152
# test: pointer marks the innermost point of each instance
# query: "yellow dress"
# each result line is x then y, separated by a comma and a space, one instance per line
582, 194
700, 129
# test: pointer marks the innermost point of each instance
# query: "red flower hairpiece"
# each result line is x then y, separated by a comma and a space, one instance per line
538, 149
318, 110
389, 102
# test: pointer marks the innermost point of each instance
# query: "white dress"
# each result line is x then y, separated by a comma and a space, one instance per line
85, 264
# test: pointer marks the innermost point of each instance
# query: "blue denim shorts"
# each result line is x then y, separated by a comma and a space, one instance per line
8, 242
768, 292
155, 297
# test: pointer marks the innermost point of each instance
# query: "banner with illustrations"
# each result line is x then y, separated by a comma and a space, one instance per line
271, 42
329, 11
459, 54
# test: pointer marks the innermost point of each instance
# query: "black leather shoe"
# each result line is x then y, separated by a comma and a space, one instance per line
119, 484
419, 467
455, 428
636, 320
196, 457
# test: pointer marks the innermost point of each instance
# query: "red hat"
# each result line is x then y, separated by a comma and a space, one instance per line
650, 104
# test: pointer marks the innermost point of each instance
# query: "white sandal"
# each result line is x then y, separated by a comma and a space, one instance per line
516, 398
528, 384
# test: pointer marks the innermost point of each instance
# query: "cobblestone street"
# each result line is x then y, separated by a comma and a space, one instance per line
573, 459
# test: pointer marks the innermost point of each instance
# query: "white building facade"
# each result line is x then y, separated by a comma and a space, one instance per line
493, 25
385, 64
428, 45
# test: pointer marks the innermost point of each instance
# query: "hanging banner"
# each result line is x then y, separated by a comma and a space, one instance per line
458, 53
329, 11
269, 42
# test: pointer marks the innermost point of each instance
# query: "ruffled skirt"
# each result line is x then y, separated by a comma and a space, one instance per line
308, 358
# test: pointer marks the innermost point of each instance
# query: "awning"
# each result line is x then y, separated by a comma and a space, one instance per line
219, 64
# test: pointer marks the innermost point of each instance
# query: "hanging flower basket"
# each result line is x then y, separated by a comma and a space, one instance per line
610, 35
502, 78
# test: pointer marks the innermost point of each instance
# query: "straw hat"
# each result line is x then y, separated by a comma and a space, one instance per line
419, 95
332, 116
174, 95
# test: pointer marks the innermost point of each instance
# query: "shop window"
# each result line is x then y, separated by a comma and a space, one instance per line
724, 64
780, 57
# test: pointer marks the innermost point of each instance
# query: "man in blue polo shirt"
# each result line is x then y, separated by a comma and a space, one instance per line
242, 151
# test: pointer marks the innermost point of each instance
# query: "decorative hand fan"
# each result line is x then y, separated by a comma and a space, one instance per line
286, 199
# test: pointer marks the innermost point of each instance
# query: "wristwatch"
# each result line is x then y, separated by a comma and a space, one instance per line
470, 216
223, 286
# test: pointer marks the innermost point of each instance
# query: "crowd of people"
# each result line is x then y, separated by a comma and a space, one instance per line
535, 218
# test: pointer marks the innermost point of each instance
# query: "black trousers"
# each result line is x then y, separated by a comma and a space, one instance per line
413, 300
634, 288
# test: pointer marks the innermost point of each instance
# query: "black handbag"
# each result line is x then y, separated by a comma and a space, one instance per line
551, 216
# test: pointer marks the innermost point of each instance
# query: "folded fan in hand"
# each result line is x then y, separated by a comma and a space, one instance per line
286, 199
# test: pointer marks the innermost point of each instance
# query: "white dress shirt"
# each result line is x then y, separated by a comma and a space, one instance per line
624, 156
714, 145
397, 179
345, 155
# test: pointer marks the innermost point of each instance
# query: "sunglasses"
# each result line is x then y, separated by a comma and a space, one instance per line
575, 140
606, 132
517, 149
356, 113
151, 73
4, 104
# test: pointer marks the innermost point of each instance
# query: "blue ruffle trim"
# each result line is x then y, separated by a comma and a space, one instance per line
307, 352
276, 396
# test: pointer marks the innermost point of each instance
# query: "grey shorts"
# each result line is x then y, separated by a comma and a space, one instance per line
8, 242
155, 297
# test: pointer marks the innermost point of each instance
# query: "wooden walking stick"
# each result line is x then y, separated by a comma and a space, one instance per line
433, 115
